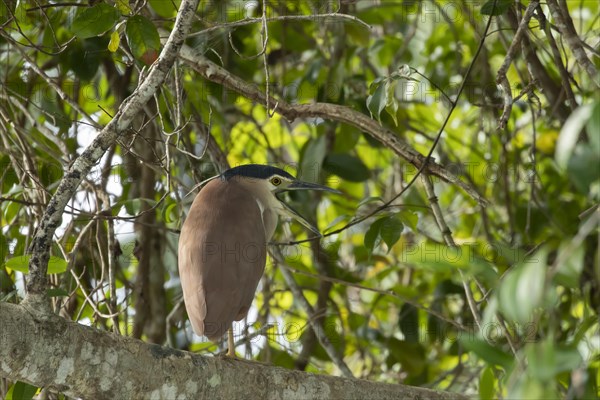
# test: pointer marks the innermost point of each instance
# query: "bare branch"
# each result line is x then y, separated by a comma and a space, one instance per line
318, 330
510, 54
215, 73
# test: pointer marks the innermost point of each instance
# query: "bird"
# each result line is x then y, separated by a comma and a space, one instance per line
223, 241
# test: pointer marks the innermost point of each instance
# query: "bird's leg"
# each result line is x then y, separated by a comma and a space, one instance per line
231, 350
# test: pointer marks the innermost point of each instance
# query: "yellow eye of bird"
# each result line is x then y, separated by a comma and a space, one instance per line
276, 181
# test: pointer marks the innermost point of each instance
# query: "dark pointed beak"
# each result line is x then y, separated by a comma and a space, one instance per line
300, 185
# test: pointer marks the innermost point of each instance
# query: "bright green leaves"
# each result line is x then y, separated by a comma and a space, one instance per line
143, 39
382, 94
95, 21
56, 265
388, 229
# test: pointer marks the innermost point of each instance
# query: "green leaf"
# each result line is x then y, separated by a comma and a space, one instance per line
376, 102
490, 354
569, 270
166, 9
143, 39
391, 103
347, 167
94, 21
391, 229
444, 259
546, 359
593, 127
487, 382
522, 289
569, 134
408, 321
115, 40
409, 218
502, 6
21, 391
312, 159
579, 170
372, 235
56, 265
123, 6
19, 263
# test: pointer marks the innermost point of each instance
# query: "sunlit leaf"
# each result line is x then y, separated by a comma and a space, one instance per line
56, 265
487, 384
115, 40
21, 391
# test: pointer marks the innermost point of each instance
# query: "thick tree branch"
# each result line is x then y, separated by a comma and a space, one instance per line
563, 21
40, 247
215, 73
81, 361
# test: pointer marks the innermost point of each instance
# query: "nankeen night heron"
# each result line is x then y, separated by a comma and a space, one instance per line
223, 243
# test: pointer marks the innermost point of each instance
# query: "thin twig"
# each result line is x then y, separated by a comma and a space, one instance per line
249, 21
319, 332
501, 78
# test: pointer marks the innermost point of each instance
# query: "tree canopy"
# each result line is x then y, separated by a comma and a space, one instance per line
462, 254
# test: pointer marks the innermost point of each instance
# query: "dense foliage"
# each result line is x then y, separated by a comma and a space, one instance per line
502, 304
